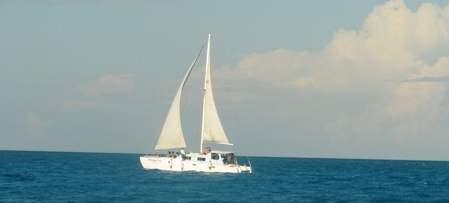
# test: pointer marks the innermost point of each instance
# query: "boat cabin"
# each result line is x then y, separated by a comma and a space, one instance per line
217, 157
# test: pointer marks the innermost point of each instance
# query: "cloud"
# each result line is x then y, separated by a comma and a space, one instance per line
77, 105
423, 94
378, 82
429, 79
108, 84
35, 125
390, 45
105, 85
113, 2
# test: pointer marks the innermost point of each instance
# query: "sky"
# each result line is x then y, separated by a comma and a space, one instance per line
318, 79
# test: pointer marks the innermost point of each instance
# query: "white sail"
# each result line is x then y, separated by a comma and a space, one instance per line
212, 129
171, 135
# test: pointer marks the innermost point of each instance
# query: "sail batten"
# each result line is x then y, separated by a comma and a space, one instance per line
171, 136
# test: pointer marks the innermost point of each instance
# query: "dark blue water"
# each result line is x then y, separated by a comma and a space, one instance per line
97, 177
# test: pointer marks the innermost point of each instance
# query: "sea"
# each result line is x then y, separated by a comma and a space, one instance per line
27, 176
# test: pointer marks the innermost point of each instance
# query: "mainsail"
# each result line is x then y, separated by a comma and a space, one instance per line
212, 129
171, 135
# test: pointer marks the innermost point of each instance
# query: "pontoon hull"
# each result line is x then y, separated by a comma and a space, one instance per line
179, 164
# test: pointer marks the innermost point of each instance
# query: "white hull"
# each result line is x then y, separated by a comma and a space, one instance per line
194, 162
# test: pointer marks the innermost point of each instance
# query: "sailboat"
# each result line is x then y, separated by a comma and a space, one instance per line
172, 137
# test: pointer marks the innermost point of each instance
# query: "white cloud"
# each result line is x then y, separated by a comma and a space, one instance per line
104, 85
388, 46
113, 2
108, 84
274, 66
77, 105
393, 45
35, 125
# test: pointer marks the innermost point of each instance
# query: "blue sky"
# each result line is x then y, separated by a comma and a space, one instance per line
334, 79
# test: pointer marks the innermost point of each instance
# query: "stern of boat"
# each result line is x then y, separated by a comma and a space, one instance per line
245, 169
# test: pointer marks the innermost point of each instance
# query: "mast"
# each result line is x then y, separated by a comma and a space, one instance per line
206, 72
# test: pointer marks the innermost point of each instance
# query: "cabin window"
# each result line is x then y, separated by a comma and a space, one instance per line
201, 159
215, 156
188, 158
228, 158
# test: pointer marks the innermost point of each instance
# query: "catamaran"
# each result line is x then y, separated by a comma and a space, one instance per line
172, 137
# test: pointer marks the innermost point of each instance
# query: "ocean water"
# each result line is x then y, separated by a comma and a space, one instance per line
100, 177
